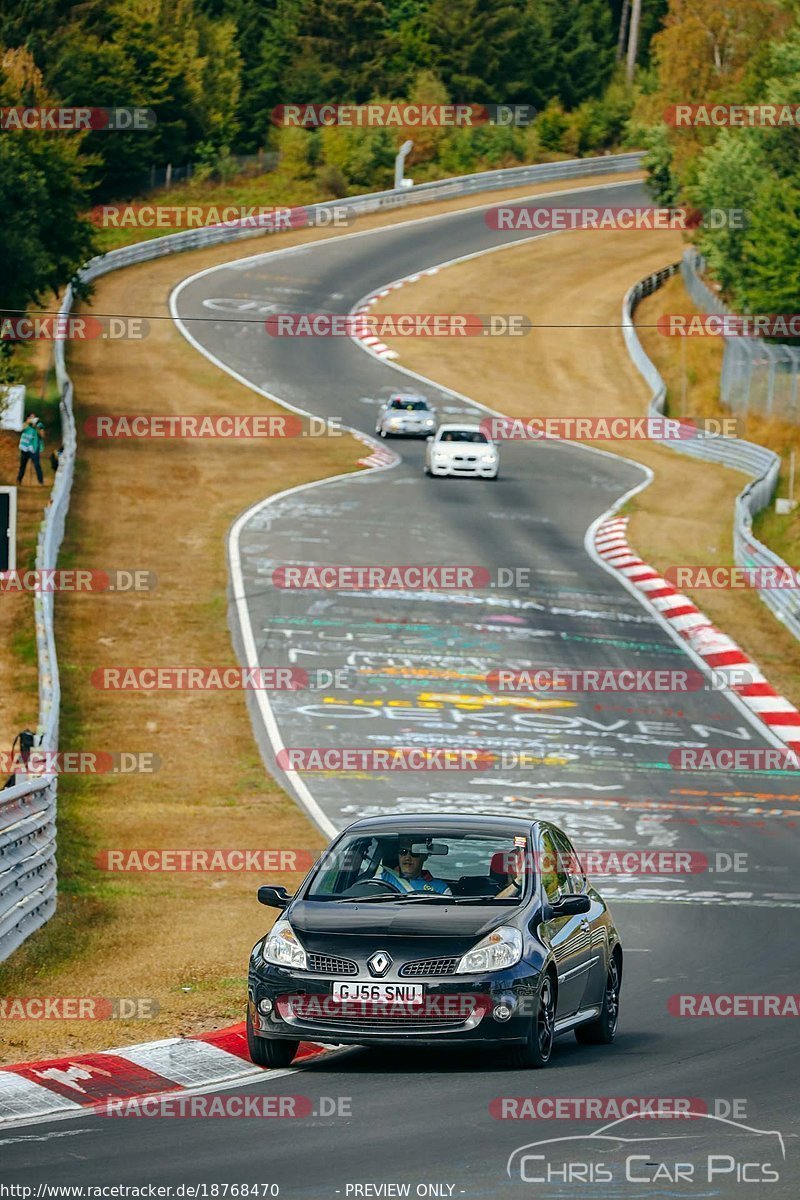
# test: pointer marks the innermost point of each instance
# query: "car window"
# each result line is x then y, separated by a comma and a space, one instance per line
464, 435
457, 864
555, 878
571, 861
409, 405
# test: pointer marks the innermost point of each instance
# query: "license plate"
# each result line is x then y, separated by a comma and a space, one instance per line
406, 993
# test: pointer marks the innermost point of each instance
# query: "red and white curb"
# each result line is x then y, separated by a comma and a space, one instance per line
379, 456
367, 339
60, 1086
716, 649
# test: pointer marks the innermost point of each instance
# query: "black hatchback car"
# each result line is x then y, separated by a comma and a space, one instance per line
437, 931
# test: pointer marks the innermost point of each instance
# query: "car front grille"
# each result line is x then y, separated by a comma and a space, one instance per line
329, 964
380, 1024
429, 966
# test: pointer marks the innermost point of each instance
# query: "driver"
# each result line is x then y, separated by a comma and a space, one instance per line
408, 875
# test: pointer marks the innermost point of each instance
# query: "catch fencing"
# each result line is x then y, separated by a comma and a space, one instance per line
759, 462
757, 376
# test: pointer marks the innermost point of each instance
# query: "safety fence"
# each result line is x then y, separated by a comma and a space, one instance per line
757, 376
28, 811
759, 462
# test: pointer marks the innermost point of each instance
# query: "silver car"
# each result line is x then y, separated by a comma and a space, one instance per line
406, 415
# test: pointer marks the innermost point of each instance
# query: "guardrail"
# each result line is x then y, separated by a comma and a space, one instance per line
28, 812
755, 460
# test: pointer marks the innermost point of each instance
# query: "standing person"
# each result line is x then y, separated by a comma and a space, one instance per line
31, 444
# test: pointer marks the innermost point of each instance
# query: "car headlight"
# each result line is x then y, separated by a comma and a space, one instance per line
430, 421
499, 949
282, 948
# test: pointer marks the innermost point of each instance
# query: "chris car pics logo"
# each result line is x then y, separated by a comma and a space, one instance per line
702, 1157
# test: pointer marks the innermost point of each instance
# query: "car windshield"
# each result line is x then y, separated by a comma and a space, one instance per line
409, 405
456, 867
464, 435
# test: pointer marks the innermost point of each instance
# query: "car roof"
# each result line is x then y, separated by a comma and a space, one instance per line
407, 396
430, 822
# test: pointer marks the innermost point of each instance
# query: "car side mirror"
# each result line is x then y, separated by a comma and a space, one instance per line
572, 905
274, 897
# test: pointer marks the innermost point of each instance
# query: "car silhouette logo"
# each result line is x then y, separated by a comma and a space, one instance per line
379, 963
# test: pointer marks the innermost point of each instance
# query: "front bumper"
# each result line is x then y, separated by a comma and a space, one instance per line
409, 430
477, 470
456, 1010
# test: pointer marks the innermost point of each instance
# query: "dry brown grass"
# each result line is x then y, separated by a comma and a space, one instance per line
164, 506
575, 364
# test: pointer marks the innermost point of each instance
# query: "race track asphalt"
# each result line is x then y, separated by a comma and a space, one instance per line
412, 663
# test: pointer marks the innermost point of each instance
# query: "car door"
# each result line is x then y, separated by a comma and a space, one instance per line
568, 936
593, 929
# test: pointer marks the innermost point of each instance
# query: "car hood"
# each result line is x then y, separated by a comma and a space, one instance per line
399, 920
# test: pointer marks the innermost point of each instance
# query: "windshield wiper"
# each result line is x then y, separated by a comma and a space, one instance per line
365, 899
403, 897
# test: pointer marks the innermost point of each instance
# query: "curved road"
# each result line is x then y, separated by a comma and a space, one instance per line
412, 663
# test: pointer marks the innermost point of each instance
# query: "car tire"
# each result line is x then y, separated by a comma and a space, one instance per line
537, 1050
269, 1052
603, 1031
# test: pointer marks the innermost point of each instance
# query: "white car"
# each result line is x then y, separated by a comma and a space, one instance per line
462, 450
406, 415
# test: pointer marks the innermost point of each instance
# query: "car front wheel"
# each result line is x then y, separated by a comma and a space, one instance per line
269, 1052
602, 1031
539, 1046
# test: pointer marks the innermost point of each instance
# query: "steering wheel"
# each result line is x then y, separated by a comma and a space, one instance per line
368, 887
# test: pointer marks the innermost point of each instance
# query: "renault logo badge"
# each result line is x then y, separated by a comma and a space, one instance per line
379, 963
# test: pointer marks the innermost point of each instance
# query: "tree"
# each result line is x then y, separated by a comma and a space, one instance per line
43, 193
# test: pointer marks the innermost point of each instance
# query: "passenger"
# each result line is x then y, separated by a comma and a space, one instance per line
515, 875
409, 875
